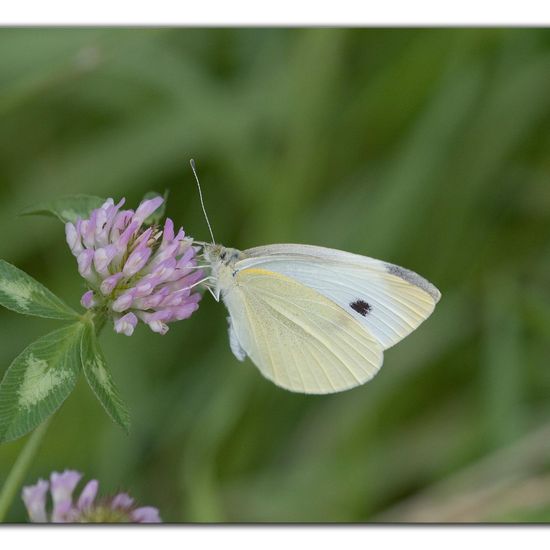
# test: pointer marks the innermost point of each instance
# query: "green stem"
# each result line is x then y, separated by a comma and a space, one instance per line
19, 469
95, 317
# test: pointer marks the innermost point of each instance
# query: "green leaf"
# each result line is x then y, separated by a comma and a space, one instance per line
23, 294
39, 380
158, 214
100, 380
66, 209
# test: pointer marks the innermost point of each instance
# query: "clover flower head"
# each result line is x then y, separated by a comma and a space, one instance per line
135, 272
117, 509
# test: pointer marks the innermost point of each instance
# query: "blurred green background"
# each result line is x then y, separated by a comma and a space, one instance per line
427, 148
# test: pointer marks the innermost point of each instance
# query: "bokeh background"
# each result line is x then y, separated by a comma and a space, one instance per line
429, 148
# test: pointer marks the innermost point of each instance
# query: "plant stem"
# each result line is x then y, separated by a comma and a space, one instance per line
97, 317
19, 469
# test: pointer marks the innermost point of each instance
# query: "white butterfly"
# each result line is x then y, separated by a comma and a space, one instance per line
312, 319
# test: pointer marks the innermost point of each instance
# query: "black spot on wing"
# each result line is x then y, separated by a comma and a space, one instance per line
362, 307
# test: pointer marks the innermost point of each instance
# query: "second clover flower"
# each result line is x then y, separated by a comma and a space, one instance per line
87, 509
135, 272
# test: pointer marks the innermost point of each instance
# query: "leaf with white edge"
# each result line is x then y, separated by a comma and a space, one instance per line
23, 294
99, 378
39, 380
158, 214
66, 209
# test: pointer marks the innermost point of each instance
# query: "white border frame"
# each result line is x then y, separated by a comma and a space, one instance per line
276, 13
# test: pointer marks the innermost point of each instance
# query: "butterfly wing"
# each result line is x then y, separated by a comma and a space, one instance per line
387, 300
298, 338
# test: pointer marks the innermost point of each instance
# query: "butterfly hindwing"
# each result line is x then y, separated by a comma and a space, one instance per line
297, 337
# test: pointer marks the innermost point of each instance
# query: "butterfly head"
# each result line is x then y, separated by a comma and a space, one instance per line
221, 261
217, 255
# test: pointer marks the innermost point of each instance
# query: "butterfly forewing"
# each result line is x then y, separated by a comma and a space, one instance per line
388, 301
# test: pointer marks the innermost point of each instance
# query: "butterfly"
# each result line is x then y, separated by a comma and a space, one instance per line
315, 320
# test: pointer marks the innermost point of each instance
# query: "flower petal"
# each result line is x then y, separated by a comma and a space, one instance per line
84, 260
136, 261
146, 514
126, 235
167, 233
34, 497
123, 302
126, 324
108, 284
88, 495
146, 208
103, 257
109, 202
87, 230
73, 239
88, 299
122, 500
62, 487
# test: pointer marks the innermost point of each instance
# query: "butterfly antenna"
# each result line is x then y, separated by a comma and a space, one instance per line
192, 162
